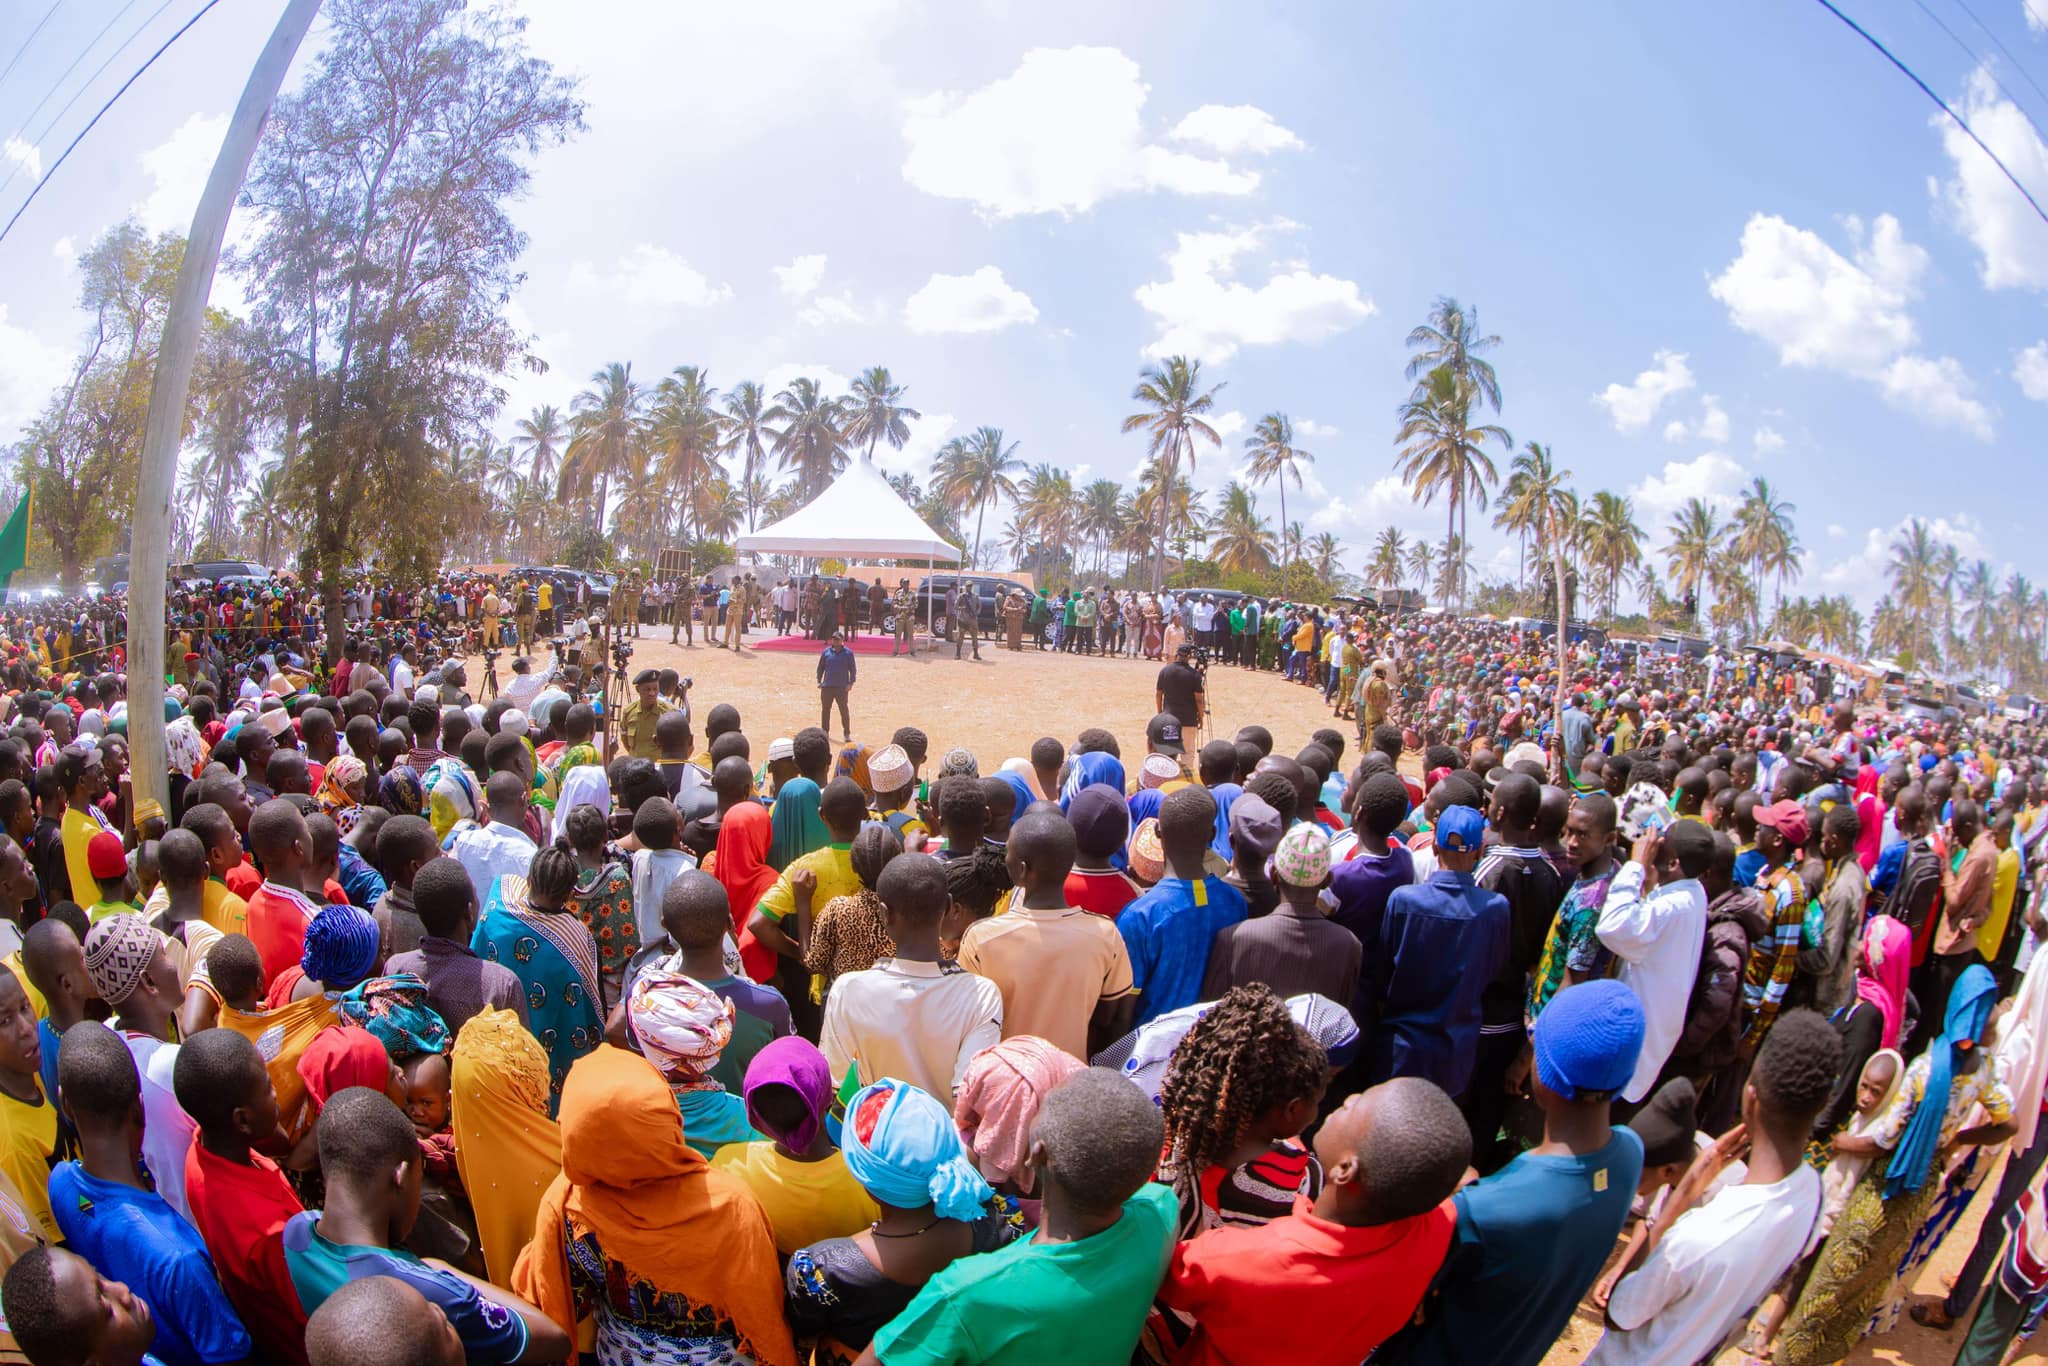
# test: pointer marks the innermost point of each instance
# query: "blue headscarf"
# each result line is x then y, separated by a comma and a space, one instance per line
1015, 782
1969, 1010
1087, 769
395, 1009
796, 826
900, 1144
341, 947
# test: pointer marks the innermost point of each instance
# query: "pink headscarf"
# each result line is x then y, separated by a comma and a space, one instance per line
1881, 970
998, 1099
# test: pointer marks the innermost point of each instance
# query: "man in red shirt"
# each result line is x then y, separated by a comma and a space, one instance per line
240, 1200
282, 907
1337, 1277
1101, 821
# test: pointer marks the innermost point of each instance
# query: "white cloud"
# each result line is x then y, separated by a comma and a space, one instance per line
1060, 133
1767, 440
981, 302
649, 275
65, 250
1712, 428
1634, 405
1308, 426
1229, 425
25, 155
801, 276
1712, 477
1386, 501
1818, 307
177, 168
30, 370
2037, 15
2030, 371
927, 434
780, 377
1863, 575
826, 309
1201, 309
2010, 237
1235, 128
1823, 310
1939, 391
1836, 530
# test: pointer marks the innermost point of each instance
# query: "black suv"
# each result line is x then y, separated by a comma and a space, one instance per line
934, 602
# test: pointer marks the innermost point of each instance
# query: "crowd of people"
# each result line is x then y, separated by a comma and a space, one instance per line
423, 1027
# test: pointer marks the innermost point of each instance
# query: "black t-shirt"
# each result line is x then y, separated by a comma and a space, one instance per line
1179, 684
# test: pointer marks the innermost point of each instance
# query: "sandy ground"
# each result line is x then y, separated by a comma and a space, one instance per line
995, 708
998, 706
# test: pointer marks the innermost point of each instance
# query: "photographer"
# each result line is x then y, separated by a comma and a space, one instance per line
1182, 692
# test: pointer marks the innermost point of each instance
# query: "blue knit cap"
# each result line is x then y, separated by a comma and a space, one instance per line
1588, 1037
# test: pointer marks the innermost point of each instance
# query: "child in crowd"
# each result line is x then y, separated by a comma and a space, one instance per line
797, 1173
28, 1116
427, 1105
847, 934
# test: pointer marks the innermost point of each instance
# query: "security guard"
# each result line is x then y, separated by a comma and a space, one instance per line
905, 603
638, 718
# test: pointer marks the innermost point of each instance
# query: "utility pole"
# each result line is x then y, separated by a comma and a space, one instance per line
164, 430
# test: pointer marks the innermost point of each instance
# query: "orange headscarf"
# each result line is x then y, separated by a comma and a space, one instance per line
656, 1207
744, 835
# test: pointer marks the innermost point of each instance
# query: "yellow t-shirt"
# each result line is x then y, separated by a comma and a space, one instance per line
807, 1202
222, 909
544, 596
2005, 886
28, 1138
36, 1002
1304, 635
834, 866
77, 829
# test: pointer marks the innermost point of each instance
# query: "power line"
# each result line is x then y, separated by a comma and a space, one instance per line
8, 70
1940, 103
86, 84
1981, 65
2000, 45
48, 175
66, 74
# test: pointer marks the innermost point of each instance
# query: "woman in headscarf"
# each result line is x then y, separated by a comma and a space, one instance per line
345, 1056
673, 1261
395, 1010
507, 1149
528, 927
797, 1173
453, 798
341, 952
341, 790
683, 1026
902, 1147
1854, 1286
745, 835
996, 1105
853, 763
1876, 1019
603, 899
400, 792
796, 826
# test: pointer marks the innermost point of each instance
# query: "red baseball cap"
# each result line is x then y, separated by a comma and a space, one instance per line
1787, 818
104, 856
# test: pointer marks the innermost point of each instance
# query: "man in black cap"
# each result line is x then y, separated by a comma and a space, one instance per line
1180, 691
637, 719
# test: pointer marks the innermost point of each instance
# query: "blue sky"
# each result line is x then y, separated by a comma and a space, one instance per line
1716, 240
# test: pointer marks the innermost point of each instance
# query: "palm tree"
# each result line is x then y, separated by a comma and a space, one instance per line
1524, 499
1101, 508
1421, 556
1450, 340
1980, 596
604, 435
1386, 566
1951, 569
1047, 511
1175, 506
538, 437
1174, 402
876, 413
264, 512
1612, 541
1442, 452
718, 508
744, 430
1325, 554
1275, 456
1696, 536
812, 440
1244, 542
684, 433
976, 471
1454, 568
1891, 630
1915, 573
1762, 534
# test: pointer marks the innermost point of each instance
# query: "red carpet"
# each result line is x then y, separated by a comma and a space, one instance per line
861, 644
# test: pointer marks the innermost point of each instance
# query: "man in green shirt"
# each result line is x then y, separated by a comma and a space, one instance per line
1077, 1290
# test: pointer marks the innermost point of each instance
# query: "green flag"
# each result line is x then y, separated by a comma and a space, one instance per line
14, 538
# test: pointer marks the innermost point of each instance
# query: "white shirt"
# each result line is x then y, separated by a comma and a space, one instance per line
653, 870
401, 676
166, 1129
917, 1022
488, 852
1714, 1266
1657, 938
1205, 616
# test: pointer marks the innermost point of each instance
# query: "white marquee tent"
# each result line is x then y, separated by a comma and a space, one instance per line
859, 515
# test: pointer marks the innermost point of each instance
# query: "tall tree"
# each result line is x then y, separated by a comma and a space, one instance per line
385, 256
684, 432
1326, 554
539, 437
1101, 509
1762, 535
1613, 543
1421, 556
876, 411
1243, 539
1915, 573
1174, 402
1441, 451
746, 412
1274, 456
812, 438
1387, 565
1451, 340
1695, 539
978, 472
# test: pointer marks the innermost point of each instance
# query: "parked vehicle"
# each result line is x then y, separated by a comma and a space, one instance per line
934, 602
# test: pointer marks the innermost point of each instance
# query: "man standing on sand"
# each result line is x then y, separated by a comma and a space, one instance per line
837, 673
1013, 618
905, 603
966, 618
878, 606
